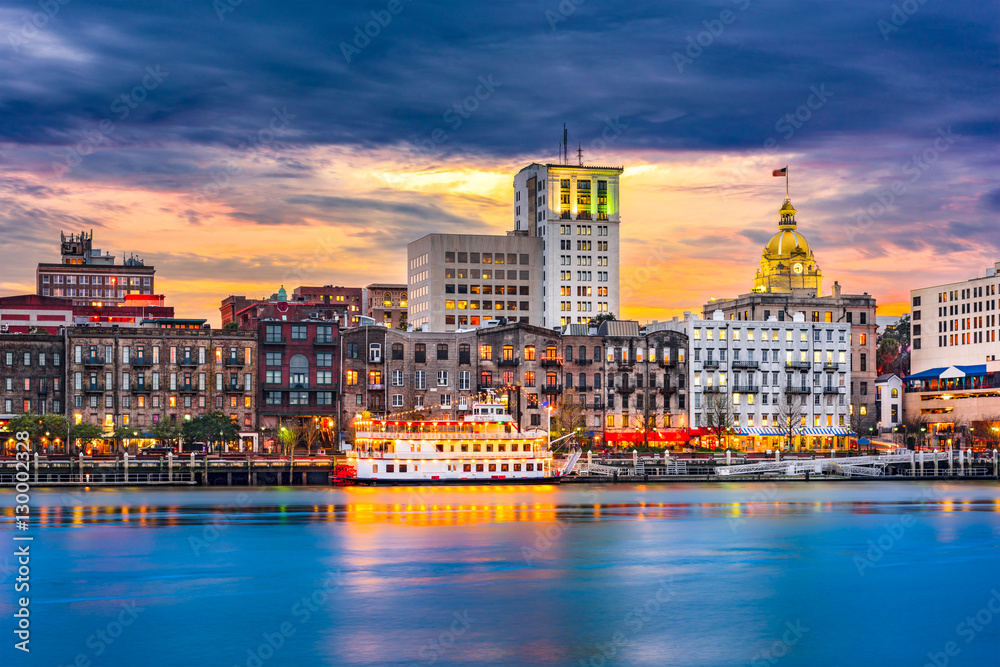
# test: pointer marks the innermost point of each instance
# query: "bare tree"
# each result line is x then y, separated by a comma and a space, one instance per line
790, 413
863, 420
568, 416
914, 428
987, 431
719, 416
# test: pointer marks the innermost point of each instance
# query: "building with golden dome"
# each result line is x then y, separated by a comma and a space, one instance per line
787, 263
789, 281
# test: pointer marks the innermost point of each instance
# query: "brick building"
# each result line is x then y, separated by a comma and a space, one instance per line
298, 360
386, 303
138, 377
86, 276
345, 301
33, 374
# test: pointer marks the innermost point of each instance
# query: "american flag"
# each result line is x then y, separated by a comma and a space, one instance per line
780, 172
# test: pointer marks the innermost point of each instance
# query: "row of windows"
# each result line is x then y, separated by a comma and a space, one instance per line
486, 258
41, 384
142, 354
451, 288
177, 381
140, 401
971, 338
38, 405
323, 332
970, 293
97, 280
42, 358
774, 334
466, 467
297, 398
476, 274
476, 304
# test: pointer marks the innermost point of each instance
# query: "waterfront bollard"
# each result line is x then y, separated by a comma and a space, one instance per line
996, 470
935, 463
951, 463
729, 457
913, 463
590, 459
81, 465
36, 467
777, 455
126, 467
635, 457
170, 467
968, 455
961, 462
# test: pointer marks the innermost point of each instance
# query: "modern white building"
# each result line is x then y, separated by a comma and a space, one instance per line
955, 324
953, 389
576, 212
889, 400
758, 366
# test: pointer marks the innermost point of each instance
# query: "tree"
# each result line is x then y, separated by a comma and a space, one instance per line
213, 427
38, 426
568, 416
862, 420
402, 322
288, 439
914, 429
124, 433
893, 348
231, 326
719, 415
596, 320
987, 431
166, 431
86, 432
789, 418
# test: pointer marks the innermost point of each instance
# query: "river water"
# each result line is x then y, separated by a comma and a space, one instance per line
686, 574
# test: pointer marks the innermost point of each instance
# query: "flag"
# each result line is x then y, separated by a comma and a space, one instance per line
780, 172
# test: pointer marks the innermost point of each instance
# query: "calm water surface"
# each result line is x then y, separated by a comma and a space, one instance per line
798, 574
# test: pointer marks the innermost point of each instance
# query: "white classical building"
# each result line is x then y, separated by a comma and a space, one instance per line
576, 212
759, 365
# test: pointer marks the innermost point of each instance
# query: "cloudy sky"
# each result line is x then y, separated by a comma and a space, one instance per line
241, 144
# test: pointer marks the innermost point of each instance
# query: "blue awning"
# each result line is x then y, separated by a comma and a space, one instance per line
826, 430
935, 373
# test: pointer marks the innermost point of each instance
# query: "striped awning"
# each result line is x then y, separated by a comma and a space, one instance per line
760, 430
826, 430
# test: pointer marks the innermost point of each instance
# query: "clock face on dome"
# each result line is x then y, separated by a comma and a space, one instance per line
797, 268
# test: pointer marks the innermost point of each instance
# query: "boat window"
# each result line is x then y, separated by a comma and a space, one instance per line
390, 468
439, 448
493, 467
504, 467
489, 448
501, 448
513, 447
479, 467
530, 467
477, 448
465, 448
402, 468
467, 467
517, 467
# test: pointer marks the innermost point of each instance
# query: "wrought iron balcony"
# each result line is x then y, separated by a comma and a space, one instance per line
141, 388
234, 361
274, 340
509, 362
745, 363
746, 389
713, 389
187, 388
93, 361
830, 366
834, 390
142, 360
583, 361
552, 389
551, 361
188, 361
233, 388
798, 364
93, 388
711, 363
797, 389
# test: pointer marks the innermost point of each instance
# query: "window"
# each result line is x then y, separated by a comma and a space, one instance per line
272, 334
485, 352
352, 351
464, 380
324, 359
529, 353
397, 351
324, 333
351, 378
272, 358
442, 351
420, 380
464, 354
397, 400
375, 352
299, 331
442, 378
420, 353
397, 378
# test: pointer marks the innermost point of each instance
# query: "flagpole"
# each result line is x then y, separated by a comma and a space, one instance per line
786, 181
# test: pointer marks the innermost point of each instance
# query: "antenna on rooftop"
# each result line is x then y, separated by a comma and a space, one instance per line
579, 153
565, 142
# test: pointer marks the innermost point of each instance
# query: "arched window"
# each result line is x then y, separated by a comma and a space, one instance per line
298, 371
387, 300
895, 393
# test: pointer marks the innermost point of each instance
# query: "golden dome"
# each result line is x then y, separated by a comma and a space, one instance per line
787, 261
785, 243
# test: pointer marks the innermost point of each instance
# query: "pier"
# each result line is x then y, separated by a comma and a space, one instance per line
189, 470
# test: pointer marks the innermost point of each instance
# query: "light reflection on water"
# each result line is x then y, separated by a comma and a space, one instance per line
679, 574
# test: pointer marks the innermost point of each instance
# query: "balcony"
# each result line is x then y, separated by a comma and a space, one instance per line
233, 388
624, 388
551, 361
746, 389
274, 340
372, 386
552, 389
583, 362
188, 361
798, 364
566, 215
580, 388
142, 361
747, 363
234, 361
140, 388
485, 385
711, 363
714, 389
834, 390
187, 388
42, 389
596, 405
801, 389
667, 390
831, 366
93, 361
509, 362
93, 388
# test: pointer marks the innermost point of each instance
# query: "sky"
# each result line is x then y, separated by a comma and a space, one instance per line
238, 145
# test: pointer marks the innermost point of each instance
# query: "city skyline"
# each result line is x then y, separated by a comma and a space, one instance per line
357, 155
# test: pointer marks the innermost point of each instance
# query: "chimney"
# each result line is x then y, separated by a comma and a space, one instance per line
836, 289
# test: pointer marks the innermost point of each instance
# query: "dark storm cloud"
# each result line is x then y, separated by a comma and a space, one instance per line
225, 77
